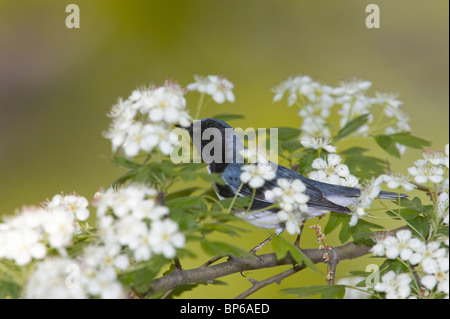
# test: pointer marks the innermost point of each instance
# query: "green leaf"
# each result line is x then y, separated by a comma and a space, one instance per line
416, 205
141, 277
228, 117
222, 228
387, 142
361, 164
352, 126
361, 233
9, 289
306, 158
393, 264
325, 291
419, 226
181, 193
288, 133
217, 248
409, 140
334, 221
125, 162
281, 247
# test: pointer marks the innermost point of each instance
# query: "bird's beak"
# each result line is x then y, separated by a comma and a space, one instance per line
189, 128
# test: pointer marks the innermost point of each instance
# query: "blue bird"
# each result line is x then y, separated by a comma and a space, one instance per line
220, 147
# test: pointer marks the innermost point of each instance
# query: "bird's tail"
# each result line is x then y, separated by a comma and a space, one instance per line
391, 195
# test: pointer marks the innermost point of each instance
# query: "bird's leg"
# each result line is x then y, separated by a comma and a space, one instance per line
297, 240
258, 247
211, 261
255, 249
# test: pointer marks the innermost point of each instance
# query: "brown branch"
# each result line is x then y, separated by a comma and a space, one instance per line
240, 264
277, 278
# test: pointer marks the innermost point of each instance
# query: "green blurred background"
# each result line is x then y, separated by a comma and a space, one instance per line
57, 84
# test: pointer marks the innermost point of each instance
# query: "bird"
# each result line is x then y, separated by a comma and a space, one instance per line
220, 146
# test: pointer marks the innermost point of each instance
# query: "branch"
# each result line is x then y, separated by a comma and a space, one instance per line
277, 278
240, 264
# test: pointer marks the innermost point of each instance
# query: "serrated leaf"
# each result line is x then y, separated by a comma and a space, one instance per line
387, 142
325, 291
217, 248
419, 226
352, 126
361, 164
409, 140
416, 204
281, 247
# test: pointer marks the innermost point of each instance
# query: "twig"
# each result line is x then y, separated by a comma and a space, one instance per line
277, 278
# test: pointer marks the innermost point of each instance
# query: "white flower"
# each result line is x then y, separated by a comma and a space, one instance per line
104, 284
431, 256
404, 246
293, 203
435, 158
290, 220
394, 181
390, 100
255, 175
332, 171
73, 203
22, 245
200, 84
291, 195
60, 227
164, 238
143, 122
438, 277
394, 286
218, 87
295, 85
317, 143
424, 171
130, 217
51, 280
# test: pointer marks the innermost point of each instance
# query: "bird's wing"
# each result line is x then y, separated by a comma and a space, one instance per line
231, 176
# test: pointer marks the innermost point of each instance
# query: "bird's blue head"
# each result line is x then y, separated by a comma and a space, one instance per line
215, 140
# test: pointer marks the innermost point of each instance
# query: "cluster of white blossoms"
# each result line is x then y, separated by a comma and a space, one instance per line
144, 121
80, 278
218, 87
431, 167
432, 257
290, 194
130, 217
395, 286
33, 231
131, 226
316, 101
331, 171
